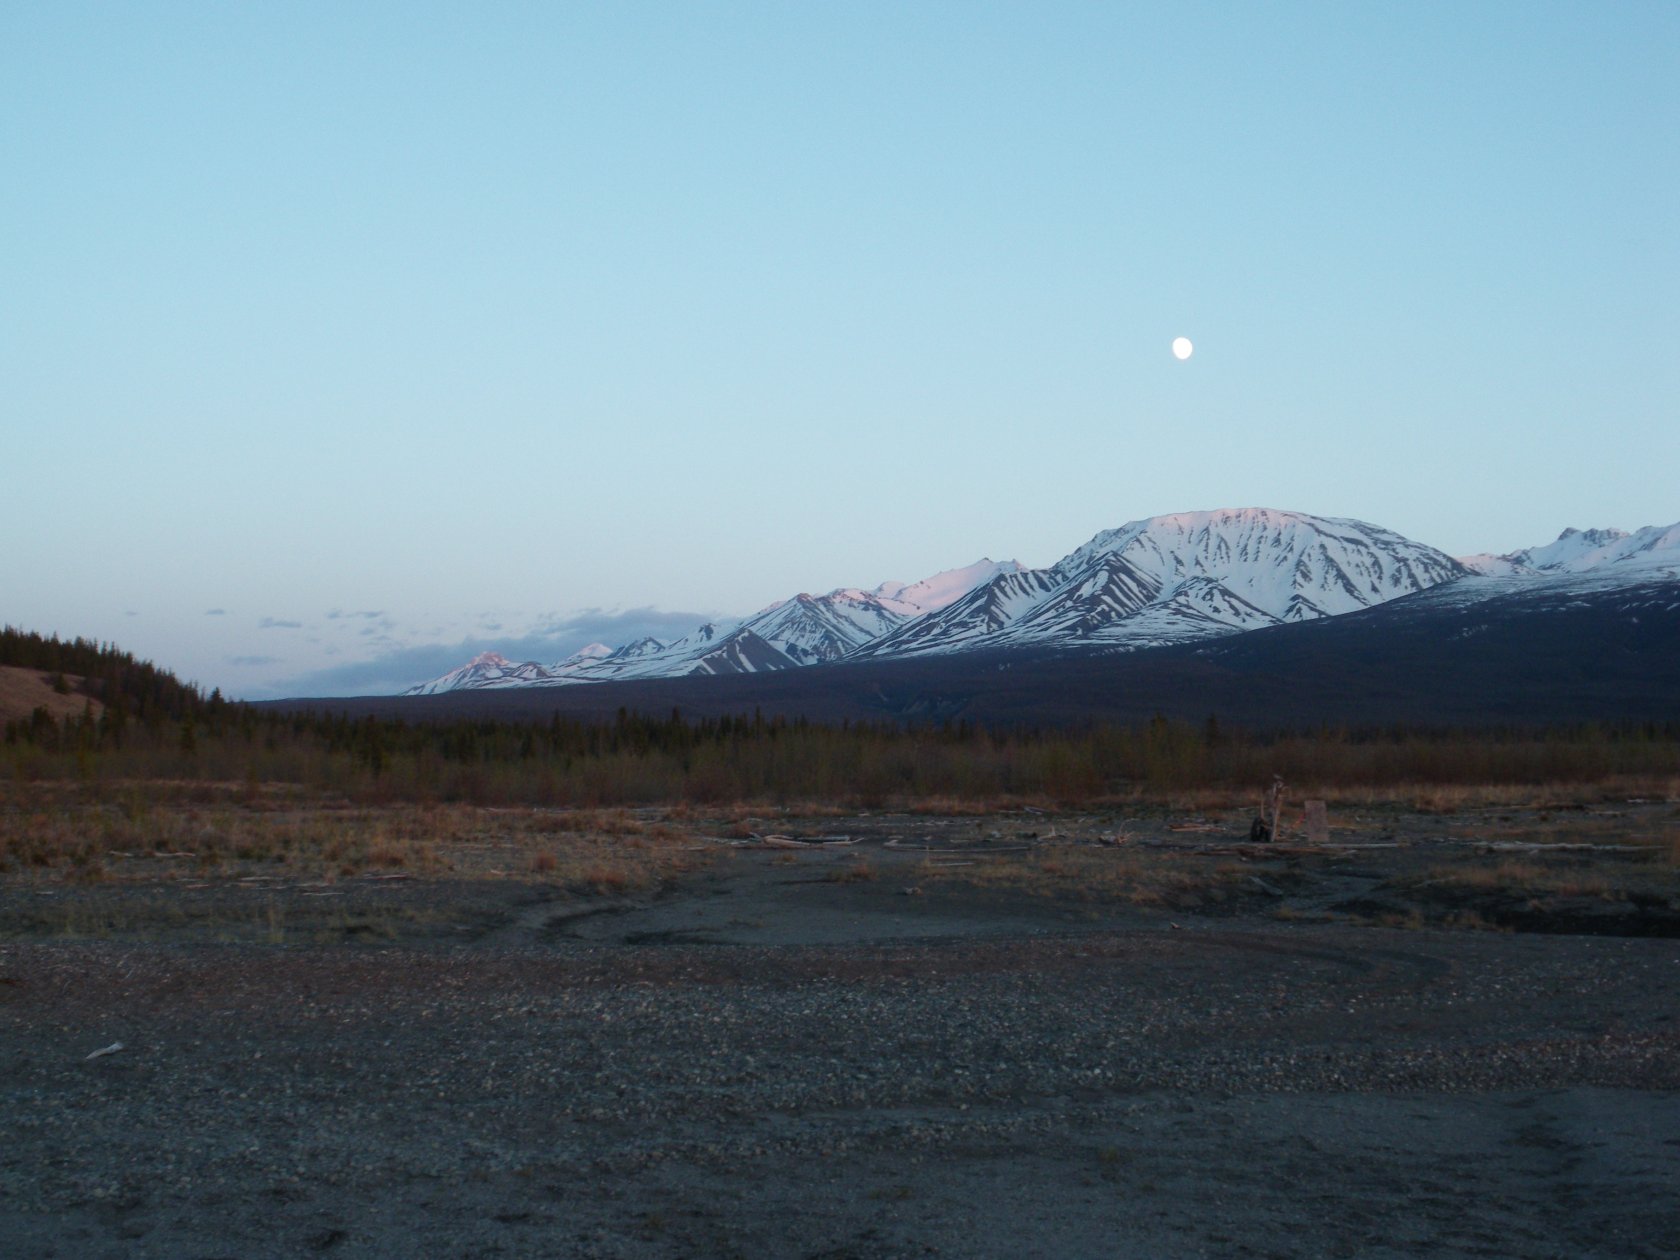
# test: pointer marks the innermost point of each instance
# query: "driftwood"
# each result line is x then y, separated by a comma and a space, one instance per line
788, 842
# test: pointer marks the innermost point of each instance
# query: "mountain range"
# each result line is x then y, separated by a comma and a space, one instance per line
1168, 580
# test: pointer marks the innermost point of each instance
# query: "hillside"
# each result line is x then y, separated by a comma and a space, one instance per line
22, 691
100, 672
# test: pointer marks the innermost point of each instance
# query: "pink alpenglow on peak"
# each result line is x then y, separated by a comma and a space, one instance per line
943, 589
1168, 579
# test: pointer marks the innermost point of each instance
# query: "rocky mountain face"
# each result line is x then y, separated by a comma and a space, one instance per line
1165, 580
1187, 576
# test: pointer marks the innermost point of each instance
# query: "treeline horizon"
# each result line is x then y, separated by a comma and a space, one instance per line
638, 760
152, 726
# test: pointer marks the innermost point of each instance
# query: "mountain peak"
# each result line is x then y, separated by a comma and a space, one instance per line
1164, 579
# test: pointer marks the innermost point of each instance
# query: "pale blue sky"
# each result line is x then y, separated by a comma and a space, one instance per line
524, 324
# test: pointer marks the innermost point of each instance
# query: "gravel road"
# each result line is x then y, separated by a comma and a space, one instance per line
1138, 1084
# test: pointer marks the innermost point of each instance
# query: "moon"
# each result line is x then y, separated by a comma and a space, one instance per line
1182, 349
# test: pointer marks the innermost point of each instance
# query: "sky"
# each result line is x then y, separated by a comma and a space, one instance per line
341, 342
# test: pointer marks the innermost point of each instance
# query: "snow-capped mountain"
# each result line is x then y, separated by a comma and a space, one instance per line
809, 629
1585, 550
804, 630
942, 589
1191, 575
485, 671
1167, 579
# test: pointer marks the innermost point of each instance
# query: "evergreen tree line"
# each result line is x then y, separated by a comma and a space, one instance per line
152, 725
117, 679
638, 759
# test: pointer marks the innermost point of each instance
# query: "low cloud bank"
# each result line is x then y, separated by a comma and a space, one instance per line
400, 668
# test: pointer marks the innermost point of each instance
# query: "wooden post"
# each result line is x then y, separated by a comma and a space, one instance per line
1275, 802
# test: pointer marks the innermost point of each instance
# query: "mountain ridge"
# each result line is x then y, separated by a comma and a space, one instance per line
1173, 579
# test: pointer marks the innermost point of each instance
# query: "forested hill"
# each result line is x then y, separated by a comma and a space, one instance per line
104, 673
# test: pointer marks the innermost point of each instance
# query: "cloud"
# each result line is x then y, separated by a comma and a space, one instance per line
254, 660
596, 625
338, 613
553, 639
274, 623
215, 612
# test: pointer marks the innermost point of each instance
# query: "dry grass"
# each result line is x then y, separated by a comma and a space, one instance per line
976, 807
147, 831
1434, 798
856, 869
22, 691
1458, 798
1606, 879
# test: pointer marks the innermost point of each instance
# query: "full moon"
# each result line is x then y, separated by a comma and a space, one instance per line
1182, 348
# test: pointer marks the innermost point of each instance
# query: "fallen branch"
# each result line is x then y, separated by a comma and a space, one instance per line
784, 842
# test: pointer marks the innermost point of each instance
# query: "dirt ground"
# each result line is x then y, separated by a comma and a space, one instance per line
1451, 1034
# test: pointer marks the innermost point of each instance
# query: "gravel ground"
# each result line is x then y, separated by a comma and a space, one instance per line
810, 1073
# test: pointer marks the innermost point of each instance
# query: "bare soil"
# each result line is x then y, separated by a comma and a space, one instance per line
1445, 1034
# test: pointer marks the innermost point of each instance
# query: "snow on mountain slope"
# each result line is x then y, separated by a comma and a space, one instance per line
977, 615
812, 628
942, 589
486, 671
1185, 576
1168, 579
804, 630
741, 652
1584, 550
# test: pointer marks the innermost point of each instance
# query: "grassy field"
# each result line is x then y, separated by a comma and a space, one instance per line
150, 856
